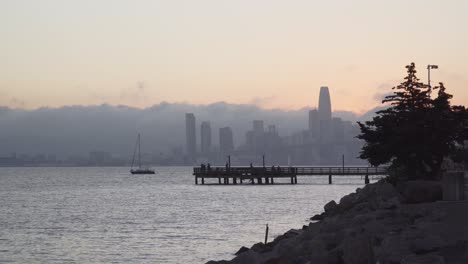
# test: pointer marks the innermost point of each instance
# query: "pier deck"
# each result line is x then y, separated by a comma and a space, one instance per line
266, 175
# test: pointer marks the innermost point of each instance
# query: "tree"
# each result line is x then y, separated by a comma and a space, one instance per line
415, 132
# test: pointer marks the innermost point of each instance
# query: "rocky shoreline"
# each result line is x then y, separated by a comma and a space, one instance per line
380, 223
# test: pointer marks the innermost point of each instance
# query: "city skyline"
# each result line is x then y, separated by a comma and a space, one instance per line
324, 138
271, 54
311, 140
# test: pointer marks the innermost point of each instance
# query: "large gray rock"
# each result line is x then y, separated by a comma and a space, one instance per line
380, 195
318, 217
381, 189
420, 191
348, 201
248, 257
261, 248
330, 206
241, 250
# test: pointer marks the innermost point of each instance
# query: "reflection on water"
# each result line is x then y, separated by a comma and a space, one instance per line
102, 215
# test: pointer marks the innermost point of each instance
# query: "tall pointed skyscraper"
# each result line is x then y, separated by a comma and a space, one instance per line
325, 115
324, 104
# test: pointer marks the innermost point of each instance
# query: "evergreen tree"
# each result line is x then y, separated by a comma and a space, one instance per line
415, 132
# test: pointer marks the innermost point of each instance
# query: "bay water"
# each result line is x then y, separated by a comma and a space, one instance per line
107, 215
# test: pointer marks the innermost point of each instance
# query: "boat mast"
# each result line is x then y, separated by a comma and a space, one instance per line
134, 153
139, 155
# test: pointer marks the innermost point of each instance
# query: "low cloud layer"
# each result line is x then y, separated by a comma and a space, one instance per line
81, 129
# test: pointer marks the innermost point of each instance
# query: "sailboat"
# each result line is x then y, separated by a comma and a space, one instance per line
139, 170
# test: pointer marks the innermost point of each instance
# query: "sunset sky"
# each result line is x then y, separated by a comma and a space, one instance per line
275, 54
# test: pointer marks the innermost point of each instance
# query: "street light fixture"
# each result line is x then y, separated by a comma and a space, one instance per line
429, 67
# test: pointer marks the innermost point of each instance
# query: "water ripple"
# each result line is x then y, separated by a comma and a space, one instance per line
105, 215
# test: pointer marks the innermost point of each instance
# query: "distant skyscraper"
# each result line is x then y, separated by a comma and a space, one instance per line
324, 113
190, 132
314, 122
205, 137
338, 129
324, 104
226, 142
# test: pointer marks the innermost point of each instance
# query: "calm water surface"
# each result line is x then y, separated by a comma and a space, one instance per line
106, 215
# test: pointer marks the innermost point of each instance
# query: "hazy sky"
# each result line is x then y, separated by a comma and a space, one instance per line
270, 53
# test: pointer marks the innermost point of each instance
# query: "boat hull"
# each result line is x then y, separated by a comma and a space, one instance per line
142, 171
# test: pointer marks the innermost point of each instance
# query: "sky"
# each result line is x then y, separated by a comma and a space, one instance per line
271, 53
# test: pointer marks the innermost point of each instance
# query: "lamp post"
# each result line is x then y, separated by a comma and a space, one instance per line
429, 67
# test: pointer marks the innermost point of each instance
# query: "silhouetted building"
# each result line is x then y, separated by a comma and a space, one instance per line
324, 104
190, 131
205, 138
338, 129
314, 123
226, 142
324, 112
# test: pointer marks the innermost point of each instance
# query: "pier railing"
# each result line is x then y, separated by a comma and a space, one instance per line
287, 171
342, 170
268, 174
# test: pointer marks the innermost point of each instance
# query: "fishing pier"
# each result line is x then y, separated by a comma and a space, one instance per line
267, 175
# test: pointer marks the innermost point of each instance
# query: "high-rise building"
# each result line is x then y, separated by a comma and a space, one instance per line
205, 137
338, 127
191, 139
226, 142
324, 113
314, 122
324, 104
